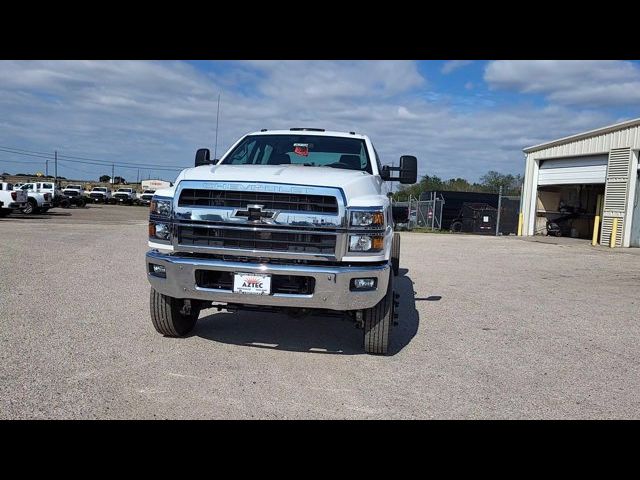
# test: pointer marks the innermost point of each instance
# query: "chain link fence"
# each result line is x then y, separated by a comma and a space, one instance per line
423, 213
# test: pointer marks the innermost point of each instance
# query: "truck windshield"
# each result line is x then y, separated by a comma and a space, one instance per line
307, 150
98, 189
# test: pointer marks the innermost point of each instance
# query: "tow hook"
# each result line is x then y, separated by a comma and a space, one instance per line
359, 319
186, 308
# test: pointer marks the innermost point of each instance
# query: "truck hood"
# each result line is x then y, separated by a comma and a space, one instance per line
355, 184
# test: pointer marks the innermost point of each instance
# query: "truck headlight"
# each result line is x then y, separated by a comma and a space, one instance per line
366, 243
159, 230
364, 218
161, 207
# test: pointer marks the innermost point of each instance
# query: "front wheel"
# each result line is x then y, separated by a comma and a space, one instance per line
378, 323
167, 318
456, 227
395, 254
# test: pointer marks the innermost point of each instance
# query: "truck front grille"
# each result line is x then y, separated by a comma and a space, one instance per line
122, 196
256, 240
71, 193
96, 195
270, 201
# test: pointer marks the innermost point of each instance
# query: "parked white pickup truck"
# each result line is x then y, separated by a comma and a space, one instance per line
100, 194
73, 191
40, 197
290, 221
11, 200
145, 198
126, 195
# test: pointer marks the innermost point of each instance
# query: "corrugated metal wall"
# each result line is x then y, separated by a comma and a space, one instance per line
616, 194
628, 137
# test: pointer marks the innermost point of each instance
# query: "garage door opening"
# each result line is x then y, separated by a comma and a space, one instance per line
568, 210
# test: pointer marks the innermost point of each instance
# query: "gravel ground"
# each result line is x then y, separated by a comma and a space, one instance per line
497, 328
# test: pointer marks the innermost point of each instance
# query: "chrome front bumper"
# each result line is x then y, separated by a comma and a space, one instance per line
331, 283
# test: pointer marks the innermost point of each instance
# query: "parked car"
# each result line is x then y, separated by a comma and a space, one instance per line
11, 200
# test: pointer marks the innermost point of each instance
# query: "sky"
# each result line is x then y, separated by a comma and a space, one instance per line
460, 118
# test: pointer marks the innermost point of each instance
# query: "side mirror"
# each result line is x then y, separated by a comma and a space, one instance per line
408, 169
385, 173
203, 157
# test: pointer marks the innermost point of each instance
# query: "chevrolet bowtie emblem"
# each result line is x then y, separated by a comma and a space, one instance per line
254, 213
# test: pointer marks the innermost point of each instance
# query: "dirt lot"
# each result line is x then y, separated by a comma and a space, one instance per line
497, 328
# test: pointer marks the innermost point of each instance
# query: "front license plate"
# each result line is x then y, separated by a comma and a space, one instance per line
251, 283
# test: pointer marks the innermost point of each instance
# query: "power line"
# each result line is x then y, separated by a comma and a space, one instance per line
87, 160
98, 162
133, 165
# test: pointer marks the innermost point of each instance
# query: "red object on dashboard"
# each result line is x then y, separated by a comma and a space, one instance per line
300, 150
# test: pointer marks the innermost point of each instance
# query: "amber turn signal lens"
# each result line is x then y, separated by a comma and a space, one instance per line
378, 218
377, 243
152, 230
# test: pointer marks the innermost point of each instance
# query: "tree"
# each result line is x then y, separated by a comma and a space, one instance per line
104, 178
492, 181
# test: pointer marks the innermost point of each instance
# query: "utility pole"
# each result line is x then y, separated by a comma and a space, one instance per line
138, 177
215, 149
46, 167
112, 174
499, 207
56, 167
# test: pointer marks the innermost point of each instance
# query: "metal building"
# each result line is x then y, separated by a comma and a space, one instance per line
571, 180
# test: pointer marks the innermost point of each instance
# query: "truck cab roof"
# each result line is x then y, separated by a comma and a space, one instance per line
311, 131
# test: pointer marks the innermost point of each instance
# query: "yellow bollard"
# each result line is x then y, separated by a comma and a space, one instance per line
596, 225
614, 232
520, 219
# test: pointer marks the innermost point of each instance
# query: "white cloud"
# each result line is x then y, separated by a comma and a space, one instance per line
453, 65
161, 112
593, 83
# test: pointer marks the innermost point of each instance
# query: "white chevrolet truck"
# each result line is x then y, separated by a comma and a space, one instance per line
293, 221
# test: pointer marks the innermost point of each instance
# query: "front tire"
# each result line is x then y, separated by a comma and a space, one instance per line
395, 254
166, 316
378, 323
